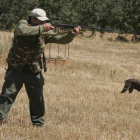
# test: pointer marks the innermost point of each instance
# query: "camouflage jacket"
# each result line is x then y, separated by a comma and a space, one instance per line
28, 45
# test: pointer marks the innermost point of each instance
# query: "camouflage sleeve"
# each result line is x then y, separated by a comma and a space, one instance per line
24, 29
60, 39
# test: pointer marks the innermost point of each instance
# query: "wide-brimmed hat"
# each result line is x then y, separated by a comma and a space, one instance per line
39, 14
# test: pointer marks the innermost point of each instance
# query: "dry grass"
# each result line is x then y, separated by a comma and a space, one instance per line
83, 100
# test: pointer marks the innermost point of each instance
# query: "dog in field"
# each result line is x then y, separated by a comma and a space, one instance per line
131, 84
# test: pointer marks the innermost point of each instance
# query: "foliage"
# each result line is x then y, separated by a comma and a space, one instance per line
12, 11
123, 15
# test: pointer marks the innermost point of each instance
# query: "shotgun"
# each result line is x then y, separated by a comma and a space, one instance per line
64, 26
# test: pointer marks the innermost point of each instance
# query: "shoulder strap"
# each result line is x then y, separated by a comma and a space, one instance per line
44, 62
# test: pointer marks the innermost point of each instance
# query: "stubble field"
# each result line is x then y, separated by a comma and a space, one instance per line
82, 99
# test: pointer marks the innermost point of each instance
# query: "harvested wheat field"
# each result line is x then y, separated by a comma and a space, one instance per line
83, 99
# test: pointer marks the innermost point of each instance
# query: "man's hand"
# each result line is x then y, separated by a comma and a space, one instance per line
76, 30
48, 26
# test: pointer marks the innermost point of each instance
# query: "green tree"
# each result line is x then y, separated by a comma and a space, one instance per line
86, 11
109, 13
13, 11
123, 15
59, 11
131, 14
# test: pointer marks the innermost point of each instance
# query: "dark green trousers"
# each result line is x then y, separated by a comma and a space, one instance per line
14, 81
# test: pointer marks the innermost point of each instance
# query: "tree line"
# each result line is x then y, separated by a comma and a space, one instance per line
122, 15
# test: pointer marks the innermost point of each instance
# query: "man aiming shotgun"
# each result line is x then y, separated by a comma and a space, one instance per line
25, 64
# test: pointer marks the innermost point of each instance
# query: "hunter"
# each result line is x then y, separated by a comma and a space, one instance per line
25, 64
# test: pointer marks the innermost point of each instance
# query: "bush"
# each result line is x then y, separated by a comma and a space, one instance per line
121, 38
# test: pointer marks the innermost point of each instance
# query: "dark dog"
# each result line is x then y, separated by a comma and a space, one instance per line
131, 84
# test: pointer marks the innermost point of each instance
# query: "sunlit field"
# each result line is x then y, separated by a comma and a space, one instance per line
82, 99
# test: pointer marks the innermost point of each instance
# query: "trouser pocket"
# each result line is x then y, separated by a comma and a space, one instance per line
39, 79
36, 79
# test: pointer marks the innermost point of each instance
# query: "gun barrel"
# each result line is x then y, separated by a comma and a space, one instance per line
87, 27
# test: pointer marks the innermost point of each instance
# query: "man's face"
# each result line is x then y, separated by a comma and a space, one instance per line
35, 21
